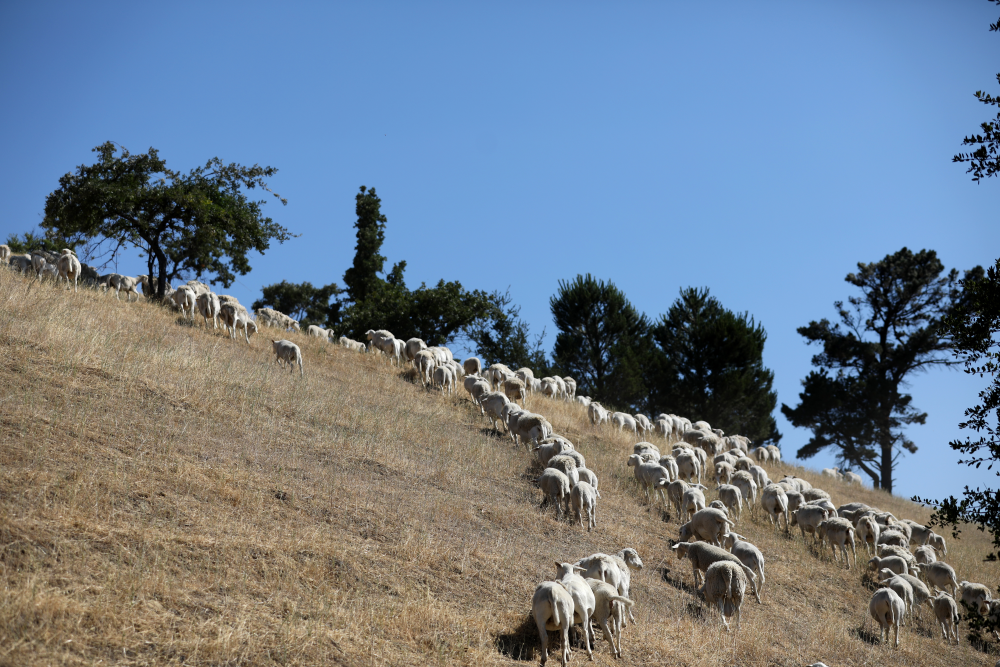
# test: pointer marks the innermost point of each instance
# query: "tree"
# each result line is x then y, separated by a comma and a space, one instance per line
362, 278
984, 161
974, 329
885, 335
303, 302
201, 222
709, 365
47, 240
503, 337
603, 341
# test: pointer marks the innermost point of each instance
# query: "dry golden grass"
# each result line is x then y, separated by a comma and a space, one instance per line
169, 496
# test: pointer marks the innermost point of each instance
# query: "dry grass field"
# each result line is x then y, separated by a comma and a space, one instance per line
171, 497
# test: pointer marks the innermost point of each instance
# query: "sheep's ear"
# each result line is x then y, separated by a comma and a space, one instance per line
577, 568
558, 564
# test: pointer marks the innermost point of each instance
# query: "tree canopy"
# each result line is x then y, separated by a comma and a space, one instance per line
503, 337
709, 365
984, 160
854, 402
302, 301
201, 223
602, 341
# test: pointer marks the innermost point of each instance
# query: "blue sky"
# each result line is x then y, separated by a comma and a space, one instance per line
758, 149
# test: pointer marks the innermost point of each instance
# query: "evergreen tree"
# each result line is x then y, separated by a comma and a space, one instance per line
603, 341
362, 278
709, 365
503, 337
303, 302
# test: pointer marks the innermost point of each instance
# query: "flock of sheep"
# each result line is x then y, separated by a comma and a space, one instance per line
596, 588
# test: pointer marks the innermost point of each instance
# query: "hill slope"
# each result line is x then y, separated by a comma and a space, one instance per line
170, 496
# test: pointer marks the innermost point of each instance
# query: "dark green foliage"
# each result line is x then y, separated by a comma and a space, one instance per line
503, 337
362, 278
48, 241
603, 341
984, 161
891, 331
303, 302
709, 365
199, 223
974, 328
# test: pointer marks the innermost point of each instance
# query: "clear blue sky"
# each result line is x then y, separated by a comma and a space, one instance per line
759, 149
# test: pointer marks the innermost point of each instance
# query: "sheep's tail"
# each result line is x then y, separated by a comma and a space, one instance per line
625, 601
729, 585
555, 613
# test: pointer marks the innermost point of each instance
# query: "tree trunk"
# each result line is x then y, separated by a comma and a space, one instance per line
885, 466
161, 259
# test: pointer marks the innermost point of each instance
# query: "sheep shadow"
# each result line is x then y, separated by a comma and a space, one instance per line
866, 635
677, 583
522, 643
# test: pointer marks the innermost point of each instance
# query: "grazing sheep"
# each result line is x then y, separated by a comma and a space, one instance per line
570, 388
316, 332
425, 364
234, 315
552, 607
692, 501
688, 466
723, 473
568, 575
840, 532
887, 608
708, 525
583, 400
648, 475
759, 475
118, 283
868, 533
939, 575
775, 503
725, 585
567, 466
814, 494
492, 403
670, 463
525, 375
852, 510
925, 554
209, 306
514, 389
852, 478
946, 612
623, 421
555, 487
472, 365
894, 538
353, 345
731, 497
531, 428
975, 596
884, 550
775, 453
615, 569
702, 555
287, 351
919, 593
584, 497
69, 267
795, 500
938, 543
675, 493
744, 482
596, 413
588, 476
902, 588
185, 300
608, 612
445, 379
831, 472
893, 563
808, 518
748, 554
551, 447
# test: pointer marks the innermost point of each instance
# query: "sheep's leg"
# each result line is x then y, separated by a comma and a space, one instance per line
565, 640
722, 613
587, 632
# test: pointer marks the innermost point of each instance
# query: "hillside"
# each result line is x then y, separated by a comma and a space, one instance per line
170, 496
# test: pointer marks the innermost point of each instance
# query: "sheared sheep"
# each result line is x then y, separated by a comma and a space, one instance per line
692, 501
708, 525
609, 609
567, 466
868, 533
425, 364
583, 497
775, 503
893, 563
946, 612
285, 351
531, 428
744, 482
568, 575
919, 593
731, 497
209, 306
69, 267
596, 413
702, 555
808, 518
887, 608
975, 596
552, 606
840, 532
939, 575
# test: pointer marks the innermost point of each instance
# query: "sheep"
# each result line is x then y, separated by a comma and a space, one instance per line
149, 285
567, 466
270, 317
886, 607
688, 466
893, 537
648, 475
885, 550
509, 415
919, 591
939, 575
774, 501
316, 332
552, 606
904, 529
583, 400
531, 428
596, 413
209, 306
198, 287
623, 421
514, 389
775, 453
852, 478
852, 511
814, 494
938, 543
731, 497
568, 575
702, 555
441, 353
608, 606
4, 252
675, 492
723, 473
974, 596
800, 484
831, 472
902, 588
893, 563
946, 612
924, 554
642, 423
353, 345
287, 351
184, 299
808, 518
761, 454
234, 315
725, 585
472, 365
824, 503
692, 501
868, 533
478, 389
748, 554
118, 282
38, 263
759, 475
424, 363
555, 487
20, 263
840, 532
549, 448
647, 448
445, 379
795, 500
615, 569
69, 267
744, 482
708, 525
670, 463
525, 375
570, 388
584, 497
492, 403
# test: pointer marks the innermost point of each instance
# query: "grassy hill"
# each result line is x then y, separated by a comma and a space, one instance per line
170, 496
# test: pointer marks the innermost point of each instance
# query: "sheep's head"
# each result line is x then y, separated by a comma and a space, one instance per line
566, 569
885, 574
874, 563
681, 549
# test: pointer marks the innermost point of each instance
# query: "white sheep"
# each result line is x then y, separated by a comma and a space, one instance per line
4, 252
648, 475
840, 532
425, 364
234, 315
552, 606
868, 533
118, 282
568, 575
731, 497
413, 346
69, 267
775, 503
918, 591
748, 554
209, 306
583, 497
924, 554
444, 378
353, 345
555, 488
492, 404
472, 365
623, 421
597, 414
567, 466
692, 501
946, 612
609, 609
531, 428
702, 555
588, 476
975, 596
725, 585
314, 331
852, 478
887, 608
514, 389
744, 482
688, 466
185, 300
708, 525
808, 518
285, 351
939, 575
